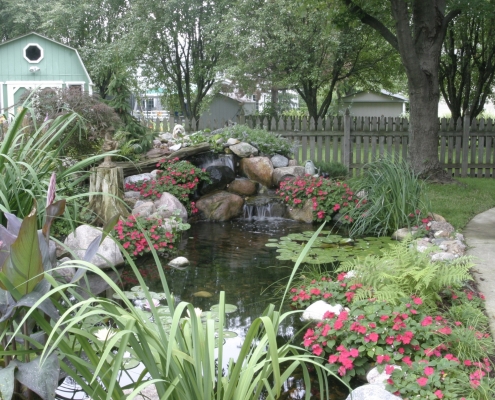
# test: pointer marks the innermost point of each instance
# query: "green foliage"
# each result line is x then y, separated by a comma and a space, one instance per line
403, 271
29, 154
332, 170
132, 131
267, 143
393, 193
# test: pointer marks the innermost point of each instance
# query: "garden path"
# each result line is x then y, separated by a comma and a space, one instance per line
480, 237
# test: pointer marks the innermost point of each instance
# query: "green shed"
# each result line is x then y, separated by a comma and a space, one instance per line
34, 61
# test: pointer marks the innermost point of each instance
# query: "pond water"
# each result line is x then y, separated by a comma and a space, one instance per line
232, 257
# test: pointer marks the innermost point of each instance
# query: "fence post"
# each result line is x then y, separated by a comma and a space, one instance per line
347, 140
465, 145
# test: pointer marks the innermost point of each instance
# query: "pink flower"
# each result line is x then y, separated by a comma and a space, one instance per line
439, 394
429, 371
389, 369
427, 321
417, 301
382, 358
422, 381
336, 207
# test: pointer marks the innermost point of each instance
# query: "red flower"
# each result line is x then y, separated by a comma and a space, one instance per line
422, 381
439, 394
429, 371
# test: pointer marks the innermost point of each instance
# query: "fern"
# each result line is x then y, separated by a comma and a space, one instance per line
402, 271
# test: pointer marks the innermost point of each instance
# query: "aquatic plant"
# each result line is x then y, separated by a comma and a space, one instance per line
327, 248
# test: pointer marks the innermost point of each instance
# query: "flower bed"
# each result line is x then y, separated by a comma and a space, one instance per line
328, 197
435, 353
179, 178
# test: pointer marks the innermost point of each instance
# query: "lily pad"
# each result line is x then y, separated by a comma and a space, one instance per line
229, 334
229, 308
137, 288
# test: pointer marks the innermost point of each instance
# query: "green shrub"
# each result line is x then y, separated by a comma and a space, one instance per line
267, 143
395, 199
333, 170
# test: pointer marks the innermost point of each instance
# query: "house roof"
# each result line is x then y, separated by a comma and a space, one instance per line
374, 97
53, 41
242, 99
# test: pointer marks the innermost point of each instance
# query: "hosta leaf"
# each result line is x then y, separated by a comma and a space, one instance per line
41, 379
7, 382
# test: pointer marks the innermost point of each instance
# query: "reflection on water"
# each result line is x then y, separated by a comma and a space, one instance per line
232, 257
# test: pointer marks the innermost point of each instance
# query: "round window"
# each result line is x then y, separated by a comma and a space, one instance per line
33, 53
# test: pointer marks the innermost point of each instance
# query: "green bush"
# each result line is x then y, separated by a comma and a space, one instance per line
333, 170
395, 199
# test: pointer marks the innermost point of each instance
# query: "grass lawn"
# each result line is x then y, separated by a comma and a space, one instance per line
460, 203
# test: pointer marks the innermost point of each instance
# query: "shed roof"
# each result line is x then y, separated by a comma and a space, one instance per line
383, 96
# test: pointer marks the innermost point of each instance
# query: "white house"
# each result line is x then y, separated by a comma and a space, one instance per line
374, 104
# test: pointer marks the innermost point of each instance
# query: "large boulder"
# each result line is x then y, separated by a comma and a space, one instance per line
304, 214
258, 169
220, 206
242, 187
280, 174
244, 150
144, 209
317, 310
108, 254
167, 205
371, 392
220, 176
137, 178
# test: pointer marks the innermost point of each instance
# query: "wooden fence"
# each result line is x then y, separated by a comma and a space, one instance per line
464, 149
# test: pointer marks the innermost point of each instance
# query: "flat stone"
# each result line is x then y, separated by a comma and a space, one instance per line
371, 392
280, 174
443, 256
244, 150
179, 262
137, 178
316, 310
144, 209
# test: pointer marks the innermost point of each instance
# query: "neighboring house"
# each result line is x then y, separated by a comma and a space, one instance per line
375, 104
149, 104
34, 61
227, 107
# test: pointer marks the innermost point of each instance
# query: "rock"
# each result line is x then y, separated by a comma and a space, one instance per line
292, 163
279, 161
453, 246
108, 253
371, 392
220, 206
441, 229
244, 150
154, 174
436, 217
443, 256
137, 178
232, 142
316, 310
242, 187
132, 195
460, 237
144, 209
157, 142
202, 293
423, 244
304, 214
167, 204
280, 174
179, 262
175, 147
66, 273
379, 379
220, 176
402, 233
258, 169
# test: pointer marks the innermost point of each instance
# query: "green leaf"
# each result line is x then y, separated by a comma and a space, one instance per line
41, 379
24, 267
7, 382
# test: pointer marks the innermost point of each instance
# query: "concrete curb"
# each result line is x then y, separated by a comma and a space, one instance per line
480, 237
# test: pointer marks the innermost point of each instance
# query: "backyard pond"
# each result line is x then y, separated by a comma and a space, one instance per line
231, 257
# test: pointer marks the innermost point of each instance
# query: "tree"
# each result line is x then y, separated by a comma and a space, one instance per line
419, 29
283, 45
181, 52
467, 66
19, 17
97, 29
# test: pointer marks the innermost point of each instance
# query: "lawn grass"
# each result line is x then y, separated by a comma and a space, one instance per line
458, 204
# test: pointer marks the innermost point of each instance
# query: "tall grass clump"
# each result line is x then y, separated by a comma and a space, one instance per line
29, 154
395, 198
